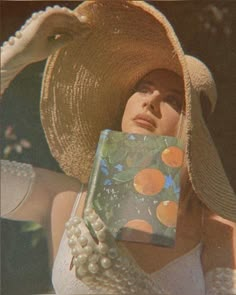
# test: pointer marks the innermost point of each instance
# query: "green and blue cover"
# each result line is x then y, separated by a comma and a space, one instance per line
135, 186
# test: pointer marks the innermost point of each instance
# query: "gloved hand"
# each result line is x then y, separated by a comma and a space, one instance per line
41, 35
44, 33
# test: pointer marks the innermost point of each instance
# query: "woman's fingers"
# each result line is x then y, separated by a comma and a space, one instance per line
56, 20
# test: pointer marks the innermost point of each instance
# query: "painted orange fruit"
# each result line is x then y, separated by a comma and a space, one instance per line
139, 224
173, 156
166, 212
137, 230
149, 181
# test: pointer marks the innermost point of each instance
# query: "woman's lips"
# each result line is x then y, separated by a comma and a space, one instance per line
145, 121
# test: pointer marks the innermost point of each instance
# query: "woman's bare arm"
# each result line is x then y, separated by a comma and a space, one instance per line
34, 200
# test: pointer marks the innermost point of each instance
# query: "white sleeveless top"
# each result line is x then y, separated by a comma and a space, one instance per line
182, 276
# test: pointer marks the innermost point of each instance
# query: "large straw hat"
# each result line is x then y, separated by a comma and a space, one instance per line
87, 83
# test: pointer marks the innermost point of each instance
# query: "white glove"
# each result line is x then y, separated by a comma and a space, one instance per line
17, 180
42, 34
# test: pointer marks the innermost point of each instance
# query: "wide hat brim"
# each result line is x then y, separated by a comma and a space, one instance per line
87, 83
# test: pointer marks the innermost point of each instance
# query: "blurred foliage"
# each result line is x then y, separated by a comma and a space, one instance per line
24, 259
24, 252
205, 29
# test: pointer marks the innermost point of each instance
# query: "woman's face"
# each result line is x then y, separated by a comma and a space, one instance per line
156, 104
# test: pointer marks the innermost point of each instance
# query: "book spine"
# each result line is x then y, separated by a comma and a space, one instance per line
93, 180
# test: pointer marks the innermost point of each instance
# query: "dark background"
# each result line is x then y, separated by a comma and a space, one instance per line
206, 30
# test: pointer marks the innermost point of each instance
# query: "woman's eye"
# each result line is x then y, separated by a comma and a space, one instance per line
174, 102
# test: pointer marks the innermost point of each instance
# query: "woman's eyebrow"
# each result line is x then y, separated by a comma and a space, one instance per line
148, 82
143, 82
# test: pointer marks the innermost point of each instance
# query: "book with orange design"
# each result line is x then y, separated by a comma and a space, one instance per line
135, 185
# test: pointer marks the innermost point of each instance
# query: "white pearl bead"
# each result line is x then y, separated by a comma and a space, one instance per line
83, 241
97, 225
101, 235
133, 290
68, 225
81, 270
118, 263
18, 173
11, 41
99, 278
88, 250
105, 262
93, 268
5, 44
75, 251
118, 279
109, 273
82, 258
131, 281
34, 15
92, 217
76, 261
70, 233
71, 242
28, 21
56, 7
48, 8
77, 232
88, 211
102, 248
125, 263
76, 220
112, 253
18, 34
94, 258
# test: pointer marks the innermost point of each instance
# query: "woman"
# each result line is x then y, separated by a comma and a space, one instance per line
111, 63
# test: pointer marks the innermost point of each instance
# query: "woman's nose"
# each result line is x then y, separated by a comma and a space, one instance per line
152, 102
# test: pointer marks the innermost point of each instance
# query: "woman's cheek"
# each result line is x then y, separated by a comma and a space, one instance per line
128, 114
170, 120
